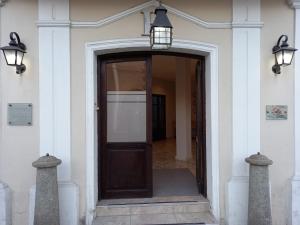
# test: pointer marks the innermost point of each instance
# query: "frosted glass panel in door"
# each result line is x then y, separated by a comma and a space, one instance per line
126, 101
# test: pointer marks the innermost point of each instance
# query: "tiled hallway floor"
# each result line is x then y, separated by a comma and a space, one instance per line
174, 182
164, 156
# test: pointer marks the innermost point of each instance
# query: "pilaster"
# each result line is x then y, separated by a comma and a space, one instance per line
295, 183
55, 101
246, 105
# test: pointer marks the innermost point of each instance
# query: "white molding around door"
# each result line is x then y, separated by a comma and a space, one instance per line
139, 44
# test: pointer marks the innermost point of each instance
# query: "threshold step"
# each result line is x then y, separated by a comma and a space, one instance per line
152, 208
157, 219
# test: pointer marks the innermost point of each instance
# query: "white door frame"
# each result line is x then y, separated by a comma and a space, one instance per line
210, 51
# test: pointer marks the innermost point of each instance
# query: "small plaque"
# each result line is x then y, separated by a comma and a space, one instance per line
276, 112
19, 114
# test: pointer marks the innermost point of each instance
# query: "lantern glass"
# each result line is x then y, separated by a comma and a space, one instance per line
161, 37
19, 59
287, 57
279, 58
10, 56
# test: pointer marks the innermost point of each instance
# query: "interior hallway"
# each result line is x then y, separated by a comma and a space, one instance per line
164, 156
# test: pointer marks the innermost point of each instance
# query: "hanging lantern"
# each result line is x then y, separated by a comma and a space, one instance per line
14, 53
161, 30
283, 54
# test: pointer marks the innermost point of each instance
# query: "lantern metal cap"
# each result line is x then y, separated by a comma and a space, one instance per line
259, 160
283, 39
161, 19
13, 47
46, 161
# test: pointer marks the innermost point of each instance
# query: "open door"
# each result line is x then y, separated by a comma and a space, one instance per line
125, 127
201, 129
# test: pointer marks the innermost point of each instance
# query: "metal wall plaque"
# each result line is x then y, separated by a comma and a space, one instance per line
276, 112
19, 114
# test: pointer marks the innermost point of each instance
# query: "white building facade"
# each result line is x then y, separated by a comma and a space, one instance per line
64, 38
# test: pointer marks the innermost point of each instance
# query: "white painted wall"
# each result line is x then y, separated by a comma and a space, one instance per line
277, 138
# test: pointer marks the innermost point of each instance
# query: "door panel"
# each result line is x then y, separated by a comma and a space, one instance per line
201, 129
125, 128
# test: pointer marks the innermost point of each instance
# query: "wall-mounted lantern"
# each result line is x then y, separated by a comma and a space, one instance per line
161, 30
14, 53
283, 54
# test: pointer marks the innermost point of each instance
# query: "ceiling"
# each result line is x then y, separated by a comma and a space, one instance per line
164, 67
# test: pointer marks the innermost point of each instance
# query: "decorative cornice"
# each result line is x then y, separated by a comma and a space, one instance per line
143, 7
54, 23
294, 4
247, 24
2, 2
197, 21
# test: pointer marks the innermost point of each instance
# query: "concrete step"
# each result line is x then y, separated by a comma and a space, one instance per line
189, 212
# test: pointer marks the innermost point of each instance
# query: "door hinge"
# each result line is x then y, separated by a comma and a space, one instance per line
97, 108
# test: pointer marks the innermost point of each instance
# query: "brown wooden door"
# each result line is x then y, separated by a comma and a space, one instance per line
125, 127
201, 129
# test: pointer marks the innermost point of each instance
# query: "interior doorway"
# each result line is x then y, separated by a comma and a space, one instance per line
137, 129
158, 117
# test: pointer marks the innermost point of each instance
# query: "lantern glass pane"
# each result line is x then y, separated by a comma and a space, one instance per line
19, 58
10, 56
161, 37
279, 57
287, 57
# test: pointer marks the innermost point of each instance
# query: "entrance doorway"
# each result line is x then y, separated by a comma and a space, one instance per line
134, 124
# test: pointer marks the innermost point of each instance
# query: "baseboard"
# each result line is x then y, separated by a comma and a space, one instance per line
68, 203
5, 204
295, 202
237, 201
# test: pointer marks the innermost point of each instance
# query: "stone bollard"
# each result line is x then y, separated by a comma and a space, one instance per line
46, 211
259, 206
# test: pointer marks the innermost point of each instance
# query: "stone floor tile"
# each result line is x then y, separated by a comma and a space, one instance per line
152, 209
113, 211
153, 219
112, 220
194, 218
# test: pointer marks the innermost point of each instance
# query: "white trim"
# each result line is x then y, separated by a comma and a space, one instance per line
295, 183
147, 6
138, 44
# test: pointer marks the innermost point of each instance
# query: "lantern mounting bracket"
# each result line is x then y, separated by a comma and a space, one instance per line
15, 41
